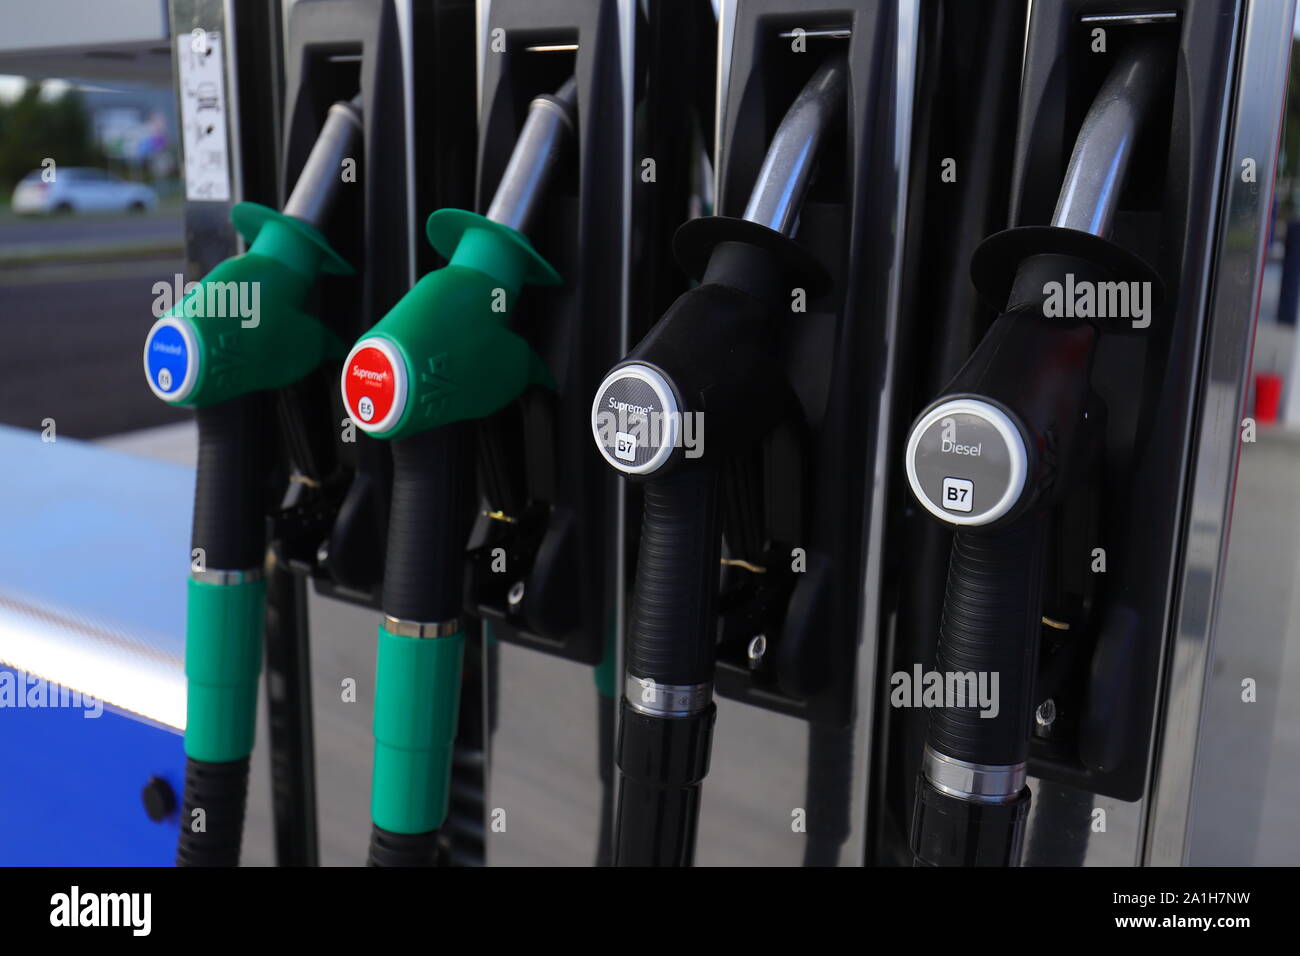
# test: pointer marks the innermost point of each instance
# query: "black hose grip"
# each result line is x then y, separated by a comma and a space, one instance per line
673, 628
990, 628
949, 831
230, 484
401, 849
428, 524
662, 761
219, 790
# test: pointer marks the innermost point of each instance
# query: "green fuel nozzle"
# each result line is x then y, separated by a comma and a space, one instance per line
242, 329
442, 357
445, 353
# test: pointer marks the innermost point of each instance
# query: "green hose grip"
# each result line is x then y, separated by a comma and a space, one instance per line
223, 660
417, 698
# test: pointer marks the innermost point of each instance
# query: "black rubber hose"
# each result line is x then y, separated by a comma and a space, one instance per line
428, 524
219, 791
673, 628
663, 761
401, 849
991, 621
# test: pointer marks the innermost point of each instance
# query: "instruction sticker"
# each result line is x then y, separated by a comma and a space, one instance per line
202, 78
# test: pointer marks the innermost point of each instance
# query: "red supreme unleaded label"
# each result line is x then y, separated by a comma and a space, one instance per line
369, 385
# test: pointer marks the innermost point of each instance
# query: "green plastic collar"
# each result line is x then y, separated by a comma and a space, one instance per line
243, 324
457, 358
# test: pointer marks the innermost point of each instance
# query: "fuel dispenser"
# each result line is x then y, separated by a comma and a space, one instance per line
852, 437
329, 529
762, 361
544, 572
1059, 451
996, 451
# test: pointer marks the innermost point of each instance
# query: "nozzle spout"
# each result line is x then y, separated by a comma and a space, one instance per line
318, 183
791, 158
550, 121
1103, 150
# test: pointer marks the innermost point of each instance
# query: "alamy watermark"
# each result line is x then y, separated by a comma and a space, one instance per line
1084, 299
945, 689
217, 300
74, 908
19, 689
625, 427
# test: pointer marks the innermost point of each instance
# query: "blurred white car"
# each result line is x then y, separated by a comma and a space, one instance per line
80, 189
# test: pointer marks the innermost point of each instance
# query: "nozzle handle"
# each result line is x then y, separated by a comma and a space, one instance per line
991, 621
673, 628
229, 527
429, 520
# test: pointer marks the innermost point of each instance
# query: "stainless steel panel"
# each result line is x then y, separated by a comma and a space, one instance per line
1256, 103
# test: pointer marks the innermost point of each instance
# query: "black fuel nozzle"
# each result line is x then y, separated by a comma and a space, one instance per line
702, 386
995, 452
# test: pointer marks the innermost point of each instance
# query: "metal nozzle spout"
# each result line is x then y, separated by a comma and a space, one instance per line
318, 183
791, 158
551, 119
1103, 150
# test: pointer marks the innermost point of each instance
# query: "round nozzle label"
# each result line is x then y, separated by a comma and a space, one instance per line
171, 359
635, 419
967, 462
374, 385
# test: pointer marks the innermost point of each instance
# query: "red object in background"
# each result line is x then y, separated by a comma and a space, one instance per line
1268, 398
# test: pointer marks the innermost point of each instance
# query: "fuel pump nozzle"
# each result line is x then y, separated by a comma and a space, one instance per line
238, 332
441, 358
994, 454
708, 356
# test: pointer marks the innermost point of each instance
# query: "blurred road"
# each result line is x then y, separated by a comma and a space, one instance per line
18, 234
71, 330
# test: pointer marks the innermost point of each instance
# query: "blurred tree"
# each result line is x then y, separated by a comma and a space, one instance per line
33, 128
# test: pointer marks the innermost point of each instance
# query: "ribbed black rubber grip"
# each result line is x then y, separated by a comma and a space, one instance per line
401, 849
219, 790
662, 761
674, 619
991, 619
428, 523
230, 484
